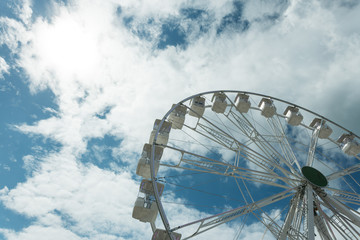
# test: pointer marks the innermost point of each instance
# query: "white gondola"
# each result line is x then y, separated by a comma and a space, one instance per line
177, 116
143, 167
197, 107
147, 187
219, 102
164, 132
293, 116
267, 107
145, 209
161, 234
242, 103
349, 145
324, 130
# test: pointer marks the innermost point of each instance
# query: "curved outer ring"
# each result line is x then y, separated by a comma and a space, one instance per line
152, 168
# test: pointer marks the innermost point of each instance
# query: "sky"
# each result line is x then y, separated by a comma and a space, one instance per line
81, 83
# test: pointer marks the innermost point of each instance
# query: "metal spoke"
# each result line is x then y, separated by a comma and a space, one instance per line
342, 226
200, 163
322, 223
312, 147
338, 207
258, 139
283, 141
345, 196
267, 163
344, 172
285, 231
210, 222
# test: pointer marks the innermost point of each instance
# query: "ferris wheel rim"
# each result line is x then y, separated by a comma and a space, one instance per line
260, 95
152, 168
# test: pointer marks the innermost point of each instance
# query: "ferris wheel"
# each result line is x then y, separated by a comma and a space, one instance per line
222, 160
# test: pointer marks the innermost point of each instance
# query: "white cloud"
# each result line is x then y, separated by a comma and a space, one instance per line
151, 9
30, 163
92, 62
23, 10
4, 67
40, 232
113, 67
85, 200
12, 33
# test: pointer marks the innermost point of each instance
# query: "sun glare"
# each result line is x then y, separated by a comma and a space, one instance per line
68, 47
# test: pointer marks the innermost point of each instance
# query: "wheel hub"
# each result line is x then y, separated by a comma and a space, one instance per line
314, 176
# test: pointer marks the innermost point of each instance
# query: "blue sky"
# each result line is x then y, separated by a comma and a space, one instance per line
81, 83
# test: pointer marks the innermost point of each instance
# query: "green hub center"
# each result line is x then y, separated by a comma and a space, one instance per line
314, 176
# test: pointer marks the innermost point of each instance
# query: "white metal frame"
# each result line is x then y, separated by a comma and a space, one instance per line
307, 200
